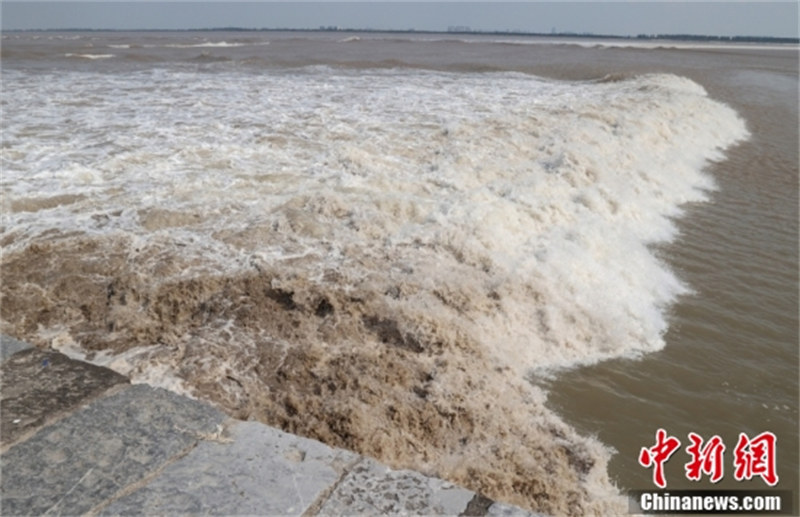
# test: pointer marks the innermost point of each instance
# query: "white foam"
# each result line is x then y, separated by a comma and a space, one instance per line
90, 56
543, 194
613, 42
213, 44
135, 363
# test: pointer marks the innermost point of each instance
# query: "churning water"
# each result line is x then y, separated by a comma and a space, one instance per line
396, 256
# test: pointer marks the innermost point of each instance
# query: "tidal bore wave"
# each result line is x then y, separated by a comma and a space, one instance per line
376, 258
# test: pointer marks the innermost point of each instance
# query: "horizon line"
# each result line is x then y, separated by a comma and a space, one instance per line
643, 36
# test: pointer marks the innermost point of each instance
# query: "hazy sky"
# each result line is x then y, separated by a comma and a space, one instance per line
623, 18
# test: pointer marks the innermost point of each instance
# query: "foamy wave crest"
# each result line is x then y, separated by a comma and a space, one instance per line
509, 206
90, 56
376, 262
215, 44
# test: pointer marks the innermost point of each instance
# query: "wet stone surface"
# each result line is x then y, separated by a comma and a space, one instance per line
89, 456
38, 386
250, 470
374, 489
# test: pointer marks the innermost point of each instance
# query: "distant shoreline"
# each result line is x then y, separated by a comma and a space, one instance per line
640, 37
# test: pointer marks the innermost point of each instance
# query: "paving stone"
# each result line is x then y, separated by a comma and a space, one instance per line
90, 455
10, 346
262, 471
38, 386
374, 489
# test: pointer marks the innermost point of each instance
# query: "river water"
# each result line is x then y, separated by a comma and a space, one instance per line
505, 261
